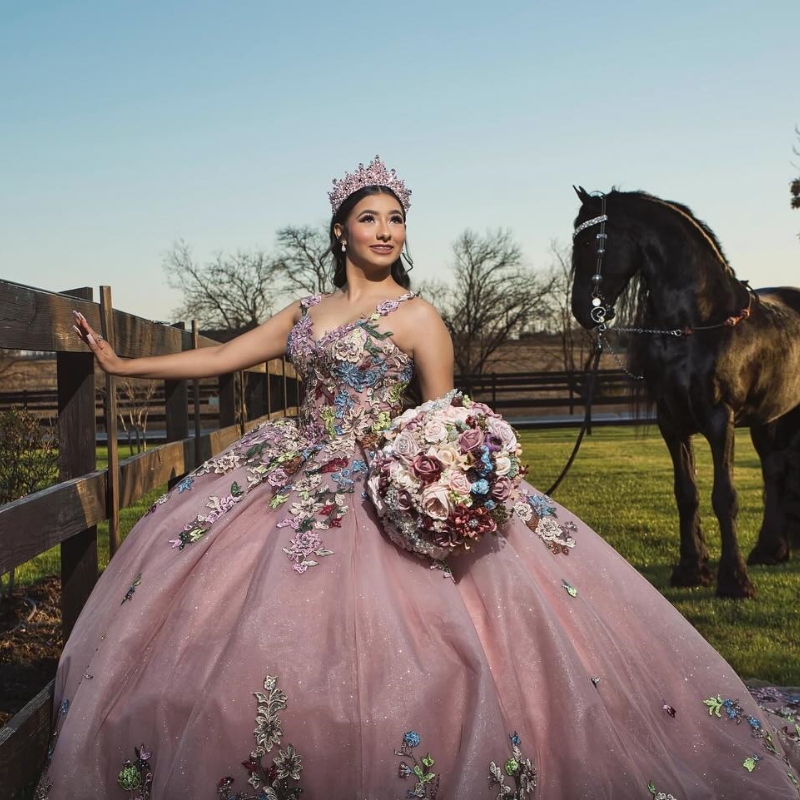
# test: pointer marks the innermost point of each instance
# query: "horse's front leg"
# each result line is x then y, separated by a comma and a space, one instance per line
692, 569
732, 580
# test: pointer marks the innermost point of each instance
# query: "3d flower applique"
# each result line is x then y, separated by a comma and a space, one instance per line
734, 711
519, 769
659, 795
136, 777
750, 762
280, 779
303, 545
417, 769
132, 588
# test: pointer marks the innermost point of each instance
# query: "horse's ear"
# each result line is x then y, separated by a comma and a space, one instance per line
583, 195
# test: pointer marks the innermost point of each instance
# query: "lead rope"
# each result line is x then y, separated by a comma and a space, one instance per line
587, 416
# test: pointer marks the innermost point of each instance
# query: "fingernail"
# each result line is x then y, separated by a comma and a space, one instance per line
76, 329
90, 338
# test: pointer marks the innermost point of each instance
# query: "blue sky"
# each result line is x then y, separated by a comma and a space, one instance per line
126, 126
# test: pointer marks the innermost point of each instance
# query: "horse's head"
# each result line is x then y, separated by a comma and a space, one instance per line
604, 259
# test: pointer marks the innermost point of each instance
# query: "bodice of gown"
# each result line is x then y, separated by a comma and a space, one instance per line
354, 377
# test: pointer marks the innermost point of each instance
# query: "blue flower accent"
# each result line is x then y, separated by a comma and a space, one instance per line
411, 739
515, 740
359, 466
480, 487
353, 376
489, 504
185, 484
542, 505
343, 480
754, 723
342, 401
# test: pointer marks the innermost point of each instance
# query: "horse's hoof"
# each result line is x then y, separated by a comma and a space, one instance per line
736, 586
768, 555
691, 575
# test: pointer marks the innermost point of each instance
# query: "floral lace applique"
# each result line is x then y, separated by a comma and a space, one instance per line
419, 770
136, 777
276, 781
132, 589
659, 795
732, 710
785, 708
520, 769
538, 512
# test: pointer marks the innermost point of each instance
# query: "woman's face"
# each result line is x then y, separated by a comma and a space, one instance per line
375, 231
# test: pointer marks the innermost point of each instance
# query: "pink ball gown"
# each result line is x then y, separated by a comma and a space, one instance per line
257, 634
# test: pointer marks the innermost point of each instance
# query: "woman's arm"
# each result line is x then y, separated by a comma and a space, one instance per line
261, 344
432, 350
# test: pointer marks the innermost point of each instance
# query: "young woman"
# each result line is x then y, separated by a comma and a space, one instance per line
258, 634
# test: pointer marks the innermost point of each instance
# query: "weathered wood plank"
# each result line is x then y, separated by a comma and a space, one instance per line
23, 745
36, 523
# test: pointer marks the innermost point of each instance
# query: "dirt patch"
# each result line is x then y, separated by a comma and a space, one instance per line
30, 643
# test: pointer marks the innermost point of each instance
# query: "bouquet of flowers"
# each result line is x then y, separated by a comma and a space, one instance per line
445, 474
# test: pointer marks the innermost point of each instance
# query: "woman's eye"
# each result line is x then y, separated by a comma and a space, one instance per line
398, 219
367, 218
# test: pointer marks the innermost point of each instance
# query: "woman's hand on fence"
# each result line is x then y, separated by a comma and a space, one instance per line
108, 360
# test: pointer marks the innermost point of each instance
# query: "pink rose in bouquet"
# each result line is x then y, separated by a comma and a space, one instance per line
444, 475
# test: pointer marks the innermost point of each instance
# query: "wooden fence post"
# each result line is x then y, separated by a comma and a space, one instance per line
198, 426
112, 485
176, 409
77, 456
227, 400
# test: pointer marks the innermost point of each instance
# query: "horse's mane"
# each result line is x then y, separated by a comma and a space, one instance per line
631, 305
687, 213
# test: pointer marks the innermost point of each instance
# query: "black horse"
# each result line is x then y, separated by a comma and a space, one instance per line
712, 354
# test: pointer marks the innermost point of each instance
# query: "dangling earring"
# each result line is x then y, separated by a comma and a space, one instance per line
344, 246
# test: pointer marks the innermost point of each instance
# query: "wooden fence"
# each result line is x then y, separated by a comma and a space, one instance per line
67, 513
516, 394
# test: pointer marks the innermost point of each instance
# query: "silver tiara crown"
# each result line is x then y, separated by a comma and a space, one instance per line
374, 174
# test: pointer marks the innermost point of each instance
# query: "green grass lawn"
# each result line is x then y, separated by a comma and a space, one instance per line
621, 485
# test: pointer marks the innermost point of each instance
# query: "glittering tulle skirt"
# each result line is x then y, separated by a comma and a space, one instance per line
263, 645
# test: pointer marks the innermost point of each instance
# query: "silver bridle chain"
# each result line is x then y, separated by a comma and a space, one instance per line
599, 311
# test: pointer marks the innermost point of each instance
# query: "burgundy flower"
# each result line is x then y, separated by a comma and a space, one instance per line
334, 465
403, 502
427, 468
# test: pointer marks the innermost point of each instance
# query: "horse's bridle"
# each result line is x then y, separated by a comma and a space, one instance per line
600, 312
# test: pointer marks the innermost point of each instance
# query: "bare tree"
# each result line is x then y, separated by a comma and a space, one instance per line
575, 341
304, 259
493, 297
231, 292
135, 397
